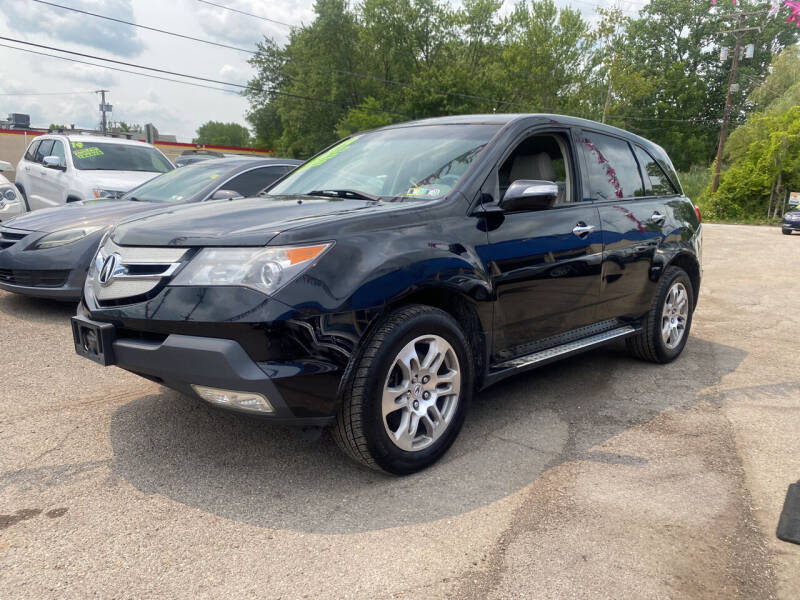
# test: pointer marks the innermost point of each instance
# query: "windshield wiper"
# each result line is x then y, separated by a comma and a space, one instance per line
347, 194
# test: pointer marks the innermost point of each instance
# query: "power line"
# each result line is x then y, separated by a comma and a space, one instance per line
83, 62
237, 85
147, 27
43, 93
330, 69
241, 12
122, 62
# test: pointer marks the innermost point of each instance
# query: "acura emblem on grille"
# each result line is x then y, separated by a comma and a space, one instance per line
111, 267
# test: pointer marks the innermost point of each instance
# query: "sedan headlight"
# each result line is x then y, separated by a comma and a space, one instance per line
265, 269
65, 236
8, 193
8, 197
108, 194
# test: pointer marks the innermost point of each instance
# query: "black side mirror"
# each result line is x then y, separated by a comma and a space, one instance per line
225, 195
529, 194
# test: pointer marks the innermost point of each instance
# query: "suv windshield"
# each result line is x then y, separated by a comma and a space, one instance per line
101, 156
423, 162
179, 184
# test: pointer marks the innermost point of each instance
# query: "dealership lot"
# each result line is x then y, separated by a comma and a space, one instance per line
600, 476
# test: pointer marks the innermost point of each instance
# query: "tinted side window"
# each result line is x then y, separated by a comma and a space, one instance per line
43, 150
612, 169
252, 182
31, 153
656, 182
58, 150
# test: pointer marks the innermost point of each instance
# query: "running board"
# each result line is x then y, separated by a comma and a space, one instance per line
511, 367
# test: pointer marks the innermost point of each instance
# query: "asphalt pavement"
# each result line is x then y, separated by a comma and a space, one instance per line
597, 477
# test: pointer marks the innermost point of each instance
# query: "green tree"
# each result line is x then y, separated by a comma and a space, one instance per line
755, 184
367, 115
222, 134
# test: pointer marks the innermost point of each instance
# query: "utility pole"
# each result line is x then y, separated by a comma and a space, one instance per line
723, 134
104, 108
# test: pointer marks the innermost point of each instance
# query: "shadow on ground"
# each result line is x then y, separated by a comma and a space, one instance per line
245, 470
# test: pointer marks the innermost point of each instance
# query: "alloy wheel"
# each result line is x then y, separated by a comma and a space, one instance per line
674, 315
421, 393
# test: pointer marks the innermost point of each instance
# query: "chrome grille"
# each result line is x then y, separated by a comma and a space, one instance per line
124, 272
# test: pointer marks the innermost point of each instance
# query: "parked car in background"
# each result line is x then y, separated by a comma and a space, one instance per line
11, 203
380, 284
189, 157
791, 221
47, 253
58, 169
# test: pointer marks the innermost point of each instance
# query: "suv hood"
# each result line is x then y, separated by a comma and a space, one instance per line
75, 214
245, 222
119, 181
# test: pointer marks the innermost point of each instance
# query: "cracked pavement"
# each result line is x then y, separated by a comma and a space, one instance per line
596, 477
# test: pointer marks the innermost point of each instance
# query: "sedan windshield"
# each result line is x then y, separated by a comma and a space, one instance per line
180, 185
118, 157
422, 162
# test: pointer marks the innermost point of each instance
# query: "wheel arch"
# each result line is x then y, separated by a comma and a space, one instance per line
464, 311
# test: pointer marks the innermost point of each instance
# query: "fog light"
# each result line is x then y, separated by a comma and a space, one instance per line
249, 401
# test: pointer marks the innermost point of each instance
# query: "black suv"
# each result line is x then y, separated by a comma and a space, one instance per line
380, 285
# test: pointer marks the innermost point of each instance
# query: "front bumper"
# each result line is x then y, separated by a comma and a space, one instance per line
302, 392
56, 273
790, 225
63, 285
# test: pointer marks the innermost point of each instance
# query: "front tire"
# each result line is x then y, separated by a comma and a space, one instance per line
786, 231
666, 326
406, 395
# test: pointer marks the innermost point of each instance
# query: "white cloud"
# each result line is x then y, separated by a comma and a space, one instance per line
24, 16
241, 30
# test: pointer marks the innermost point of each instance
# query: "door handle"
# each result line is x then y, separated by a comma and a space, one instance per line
657, 218
582, 229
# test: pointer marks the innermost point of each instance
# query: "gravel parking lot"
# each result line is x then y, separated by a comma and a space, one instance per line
599, 477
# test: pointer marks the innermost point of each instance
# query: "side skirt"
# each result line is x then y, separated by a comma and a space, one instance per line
499, 371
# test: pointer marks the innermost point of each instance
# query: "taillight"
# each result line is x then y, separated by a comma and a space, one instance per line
697, 212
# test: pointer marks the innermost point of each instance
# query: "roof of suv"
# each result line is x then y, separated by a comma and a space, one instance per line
93, 138
506, 118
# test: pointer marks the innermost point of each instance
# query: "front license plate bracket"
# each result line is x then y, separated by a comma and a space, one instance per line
94, 340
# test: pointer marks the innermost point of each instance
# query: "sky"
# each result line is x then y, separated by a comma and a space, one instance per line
61, 92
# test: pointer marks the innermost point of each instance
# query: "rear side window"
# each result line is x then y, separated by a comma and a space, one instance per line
31, 153
656, 183
252, 182
43, 150
612, 168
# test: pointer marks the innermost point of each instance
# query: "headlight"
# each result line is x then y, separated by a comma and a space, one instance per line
265, 269
65, 236
8, 193
8, 197
110, 194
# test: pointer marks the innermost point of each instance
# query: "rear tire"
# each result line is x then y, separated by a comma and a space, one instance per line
406, 394
666, 326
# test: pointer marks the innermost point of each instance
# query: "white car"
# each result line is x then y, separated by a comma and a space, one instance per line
57, 169
11, 203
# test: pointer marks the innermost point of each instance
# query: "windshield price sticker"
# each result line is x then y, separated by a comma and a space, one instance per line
329, 154
87, 152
